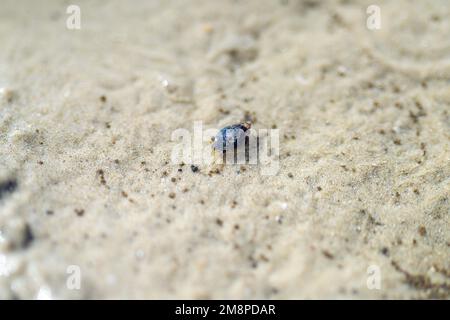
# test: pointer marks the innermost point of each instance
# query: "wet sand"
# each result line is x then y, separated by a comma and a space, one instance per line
86, 178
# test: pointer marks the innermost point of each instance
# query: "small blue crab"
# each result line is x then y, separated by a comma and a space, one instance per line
230, 137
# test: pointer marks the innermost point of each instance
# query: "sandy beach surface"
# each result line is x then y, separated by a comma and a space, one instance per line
359, 208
